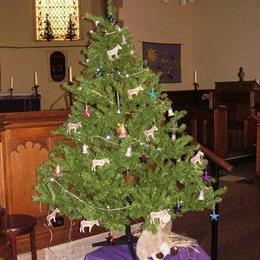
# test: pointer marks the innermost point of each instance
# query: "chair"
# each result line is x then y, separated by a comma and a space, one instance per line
15, 225
4, 248
4, 242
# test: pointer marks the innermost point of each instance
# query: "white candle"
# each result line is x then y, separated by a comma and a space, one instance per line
70, 74
195, 76
35, 79
12, 83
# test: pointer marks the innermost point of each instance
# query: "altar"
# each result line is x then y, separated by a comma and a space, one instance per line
20, 102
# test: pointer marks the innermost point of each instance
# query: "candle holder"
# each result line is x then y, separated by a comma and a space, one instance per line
11, 90
35, 89
70, 96
196, 86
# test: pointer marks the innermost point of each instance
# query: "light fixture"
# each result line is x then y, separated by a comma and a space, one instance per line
184, 2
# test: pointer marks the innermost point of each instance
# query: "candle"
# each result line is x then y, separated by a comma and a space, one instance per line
12, 83
195, 76
70, 74
35, 79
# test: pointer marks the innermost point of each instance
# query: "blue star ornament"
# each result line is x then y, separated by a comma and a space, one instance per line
214, 216
153, 93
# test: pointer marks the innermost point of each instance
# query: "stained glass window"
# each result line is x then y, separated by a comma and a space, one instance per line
57, 19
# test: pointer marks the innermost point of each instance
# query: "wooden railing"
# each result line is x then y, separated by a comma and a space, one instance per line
219, 161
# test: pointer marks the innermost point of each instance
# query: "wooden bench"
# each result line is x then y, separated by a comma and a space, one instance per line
209, 127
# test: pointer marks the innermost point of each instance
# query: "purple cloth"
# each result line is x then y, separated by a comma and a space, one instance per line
122, 253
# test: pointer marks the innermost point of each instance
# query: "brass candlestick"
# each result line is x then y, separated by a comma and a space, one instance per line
196, 85
11, 90
70, 96
35, 89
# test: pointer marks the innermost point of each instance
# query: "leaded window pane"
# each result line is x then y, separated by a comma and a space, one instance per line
58, 18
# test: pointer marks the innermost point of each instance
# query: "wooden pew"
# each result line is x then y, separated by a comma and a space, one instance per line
242, 99
257, 118
209, 127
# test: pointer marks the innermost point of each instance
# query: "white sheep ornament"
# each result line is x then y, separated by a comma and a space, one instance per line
99, 162
114, 52
87, 224
150, 133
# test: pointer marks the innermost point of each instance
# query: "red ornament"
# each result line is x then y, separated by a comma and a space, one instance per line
127, 177
110, 239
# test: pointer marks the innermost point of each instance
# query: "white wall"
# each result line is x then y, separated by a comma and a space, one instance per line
218, 36
153, 21
226, 35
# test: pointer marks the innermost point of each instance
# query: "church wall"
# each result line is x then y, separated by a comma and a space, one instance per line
217, 38
226, 35
21, 55
153, 21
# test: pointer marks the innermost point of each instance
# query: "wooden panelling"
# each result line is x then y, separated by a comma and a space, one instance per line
24, 162
25, 143
2, 179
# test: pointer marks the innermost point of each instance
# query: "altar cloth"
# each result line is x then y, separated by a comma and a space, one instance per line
121, 252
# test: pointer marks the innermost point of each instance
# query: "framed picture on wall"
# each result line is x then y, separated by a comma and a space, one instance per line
164, 59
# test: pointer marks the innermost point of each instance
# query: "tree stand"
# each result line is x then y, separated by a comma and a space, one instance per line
128, 239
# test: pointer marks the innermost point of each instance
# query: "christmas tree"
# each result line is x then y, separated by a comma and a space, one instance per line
71, 31
124, 154
48, 33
